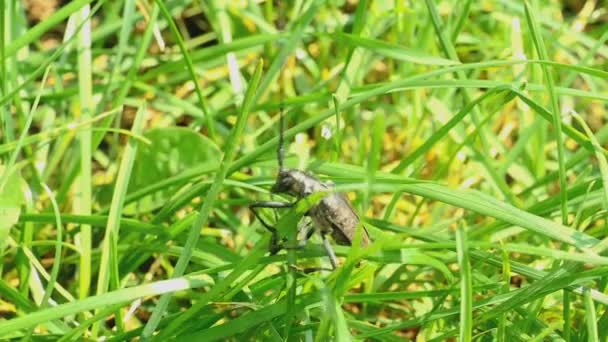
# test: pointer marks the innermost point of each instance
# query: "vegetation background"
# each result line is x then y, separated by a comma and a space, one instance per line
468, 135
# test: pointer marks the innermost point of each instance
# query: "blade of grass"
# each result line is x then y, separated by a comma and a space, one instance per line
484, 155
110, 239
248, 321
24, 267
342, 333
567, 326
37, 265
5, 32
224, 30
466, 285
404, 295
241, 45
214, 190
253, 258
11, 162
557, 121
33, 34
355, 59
93, 302
390, 50
131, 225
56, 259
188, 60
246, 264
375, 155
83, 204
603, 166
133, 70
286, 48
291, 283
555, 280
439, 134
601, 158
386, 88
129, 18
75, 333
501, 334
119, 98
585, 40
45, 137
338, 135
462, 17
26, 306
467, 199
590, 317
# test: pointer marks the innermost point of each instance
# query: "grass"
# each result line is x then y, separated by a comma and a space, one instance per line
470, 139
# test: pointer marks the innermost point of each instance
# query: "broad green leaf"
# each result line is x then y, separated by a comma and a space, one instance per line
12, 196
172, 151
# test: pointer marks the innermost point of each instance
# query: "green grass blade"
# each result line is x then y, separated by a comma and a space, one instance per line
390, 50
590, 317
439, 134
286, 47
462, 17
84, 202
13, 158
34, 33
110, 240
601, 158
470, 200
557, 121
188, 60
194, 233
375, 154
123, 40
57, 258
501, 333
466, 286
6, 120
115, 297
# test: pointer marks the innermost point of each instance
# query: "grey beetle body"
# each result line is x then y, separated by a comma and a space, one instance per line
332, 215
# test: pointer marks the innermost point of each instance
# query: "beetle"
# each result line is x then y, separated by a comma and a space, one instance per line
332, 215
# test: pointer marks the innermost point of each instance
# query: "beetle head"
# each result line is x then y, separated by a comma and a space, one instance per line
293, 182
286, 182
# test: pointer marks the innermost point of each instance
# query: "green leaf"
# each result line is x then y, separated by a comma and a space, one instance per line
469, 199
172, 151
12, 196
395, 51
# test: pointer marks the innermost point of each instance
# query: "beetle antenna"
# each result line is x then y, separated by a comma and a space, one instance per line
280, 150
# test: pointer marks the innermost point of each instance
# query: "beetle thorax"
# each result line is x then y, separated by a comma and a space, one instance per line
297, 183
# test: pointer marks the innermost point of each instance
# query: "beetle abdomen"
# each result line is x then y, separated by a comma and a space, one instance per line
334, 215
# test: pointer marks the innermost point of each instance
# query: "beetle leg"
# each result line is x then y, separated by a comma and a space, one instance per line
310, 269
271, 204
275, 245
306, 230
266, 225
330, 252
